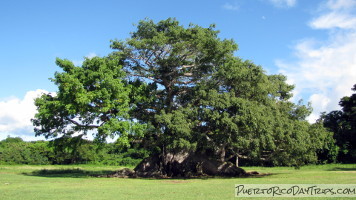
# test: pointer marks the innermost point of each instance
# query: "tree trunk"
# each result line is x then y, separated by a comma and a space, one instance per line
237, 160
222, 153
186, 164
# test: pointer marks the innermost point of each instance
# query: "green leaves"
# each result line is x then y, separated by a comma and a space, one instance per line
343, 124
92, 96
180, 89
247, 113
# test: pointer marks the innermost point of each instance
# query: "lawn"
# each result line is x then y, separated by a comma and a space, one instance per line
75, 182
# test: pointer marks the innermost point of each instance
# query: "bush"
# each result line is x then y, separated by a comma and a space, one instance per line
16, 151
67, 151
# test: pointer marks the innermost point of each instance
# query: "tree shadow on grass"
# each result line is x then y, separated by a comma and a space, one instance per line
177, 180
209, 177
79, 173
67, 173
173, 179
342, 169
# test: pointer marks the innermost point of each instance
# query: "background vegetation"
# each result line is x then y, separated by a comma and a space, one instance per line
17, 151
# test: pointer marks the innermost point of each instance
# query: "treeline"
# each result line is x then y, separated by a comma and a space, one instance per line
13, 150
342, 123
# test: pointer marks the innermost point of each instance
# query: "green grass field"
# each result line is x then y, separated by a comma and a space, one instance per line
75, 182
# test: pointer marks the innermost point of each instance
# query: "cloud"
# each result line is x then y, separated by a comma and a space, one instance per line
283, 3
340, 4
16, 115
325, 71
91, 55
80, 62
229, 6
339, 14
334, 20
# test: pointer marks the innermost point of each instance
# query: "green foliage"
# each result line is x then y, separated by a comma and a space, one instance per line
130, 157
244, 113
16, 151
176, 89
91, 97
68, 151
343, 124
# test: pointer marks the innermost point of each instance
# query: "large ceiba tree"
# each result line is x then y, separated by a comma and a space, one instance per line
182, 92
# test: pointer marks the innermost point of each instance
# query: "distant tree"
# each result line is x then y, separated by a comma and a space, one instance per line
12, 140
343, 124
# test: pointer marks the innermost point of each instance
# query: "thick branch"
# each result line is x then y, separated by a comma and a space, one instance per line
148, 77
184, 82
82, 125
187, 66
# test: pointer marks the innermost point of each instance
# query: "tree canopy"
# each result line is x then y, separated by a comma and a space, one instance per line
343, 124
92, 97
181, 90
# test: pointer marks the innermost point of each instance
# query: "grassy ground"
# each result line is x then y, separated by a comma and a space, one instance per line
76, 182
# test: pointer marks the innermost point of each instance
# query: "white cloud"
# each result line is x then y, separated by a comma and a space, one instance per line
334, 20
283, 3
326, 70
341, 4
229, 6
16, 115
339, 14
91, 55
80, 62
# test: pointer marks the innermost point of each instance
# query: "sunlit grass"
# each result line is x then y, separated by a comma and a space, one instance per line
78, 182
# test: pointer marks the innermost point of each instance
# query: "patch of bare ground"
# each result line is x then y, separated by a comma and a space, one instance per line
352, 172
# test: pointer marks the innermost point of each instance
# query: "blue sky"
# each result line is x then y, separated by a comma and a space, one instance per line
312, 42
